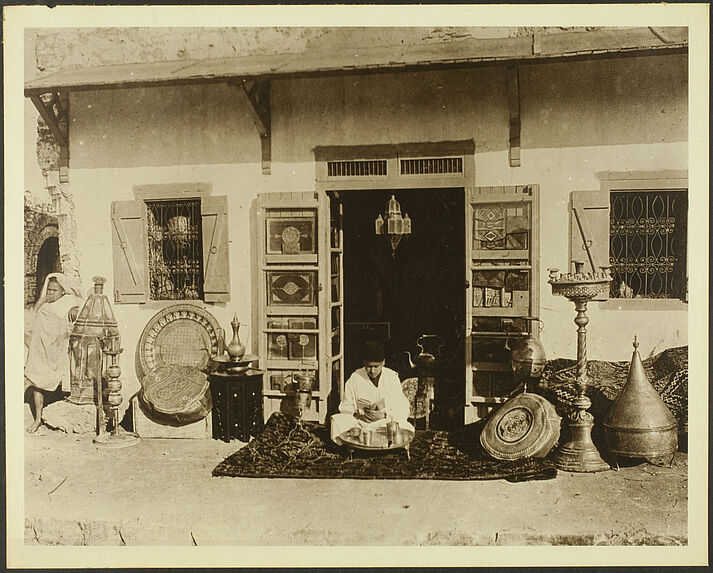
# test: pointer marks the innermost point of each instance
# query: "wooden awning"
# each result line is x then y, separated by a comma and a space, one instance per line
455, 53
251, 74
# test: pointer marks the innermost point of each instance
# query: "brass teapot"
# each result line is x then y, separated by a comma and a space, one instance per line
423, 362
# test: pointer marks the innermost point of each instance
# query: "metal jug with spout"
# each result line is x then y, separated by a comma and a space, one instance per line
424, 365
527, 356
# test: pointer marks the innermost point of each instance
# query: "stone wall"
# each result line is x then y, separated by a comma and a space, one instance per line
39, 225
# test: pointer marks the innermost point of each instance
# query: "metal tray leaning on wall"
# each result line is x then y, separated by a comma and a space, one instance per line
174, 348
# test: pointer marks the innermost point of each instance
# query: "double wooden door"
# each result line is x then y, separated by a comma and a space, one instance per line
301, 294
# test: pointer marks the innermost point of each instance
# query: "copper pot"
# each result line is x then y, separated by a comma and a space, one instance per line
527, 356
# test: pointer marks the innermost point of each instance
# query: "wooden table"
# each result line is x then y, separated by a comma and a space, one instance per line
237, 404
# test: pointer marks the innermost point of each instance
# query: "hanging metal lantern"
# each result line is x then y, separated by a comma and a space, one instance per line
95, 327
393, 225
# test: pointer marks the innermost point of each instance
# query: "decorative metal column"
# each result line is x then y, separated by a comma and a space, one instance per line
97, 315
580, 454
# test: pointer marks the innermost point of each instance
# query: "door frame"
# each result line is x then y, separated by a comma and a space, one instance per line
438, 165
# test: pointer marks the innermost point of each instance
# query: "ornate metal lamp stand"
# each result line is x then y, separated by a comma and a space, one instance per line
97, 319
117, 437
580, 454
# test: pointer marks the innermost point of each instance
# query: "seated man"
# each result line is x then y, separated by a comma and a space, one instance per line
372, 397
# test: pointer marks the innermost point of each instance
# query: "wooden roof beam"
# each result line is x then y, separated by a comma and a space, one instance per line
257, 93
513, 88
52, 118
56, 116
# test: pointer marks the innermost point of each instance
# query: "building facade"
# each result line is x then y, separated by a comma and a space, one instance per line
525, 155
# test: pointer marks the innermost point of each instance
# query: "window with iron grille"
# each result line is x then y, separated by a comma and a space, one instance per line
175, 258
647, 243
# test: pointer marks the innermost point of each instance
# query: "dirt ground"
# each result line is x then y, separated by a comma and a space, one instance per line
161, 492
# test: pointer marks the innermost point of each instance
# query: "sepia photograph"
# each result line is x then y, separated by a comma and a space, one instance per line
341, 286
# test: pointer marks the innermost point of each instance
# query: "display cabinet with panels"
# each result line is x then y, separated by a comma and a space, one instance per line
502, 246
300, 298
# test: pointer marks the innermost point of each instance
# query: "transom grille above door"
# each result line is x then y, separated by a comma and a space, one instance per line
431, 166
357, 168
395, 166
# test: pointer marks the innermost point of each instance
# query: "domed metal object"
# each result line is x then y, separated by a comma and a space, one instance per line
639, 424
95, 327
527, 356
526, 426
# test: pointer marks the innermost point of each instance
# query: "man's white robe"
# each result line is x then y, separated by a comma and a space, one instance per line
360, 387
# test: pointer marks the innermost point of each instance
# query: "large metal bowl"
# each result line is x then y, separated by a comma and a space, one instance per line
580, 289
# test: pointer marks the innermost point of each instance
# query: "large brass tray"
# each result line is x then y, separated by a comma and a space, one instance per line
180, 334
379, 440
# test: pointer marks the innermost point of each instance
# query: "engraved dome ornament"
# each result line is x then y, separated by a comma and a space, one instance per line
639, 424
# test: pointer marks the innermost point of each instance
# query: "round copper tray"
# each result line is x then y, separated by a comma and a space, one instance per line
180, 334
379, 440
178, 394
525, 426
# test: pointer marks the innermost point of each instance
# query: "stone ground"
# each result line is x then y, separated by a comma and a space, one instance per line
161, 492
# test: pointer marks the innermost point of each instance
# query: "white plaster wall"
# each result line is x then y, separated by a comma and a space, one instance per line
610, 331
577, 120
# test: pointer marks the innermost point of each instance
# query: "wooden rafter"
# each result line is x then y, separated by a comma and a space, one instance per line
52, 115
513, 87
55, 112
257, 93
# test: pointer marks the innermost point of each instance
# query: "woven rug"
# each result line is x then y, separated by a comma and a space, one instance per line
667, 372
289, 449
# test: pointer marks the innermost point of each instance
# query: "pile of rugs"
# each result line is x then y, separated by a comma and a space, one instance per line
288, 448
667, 372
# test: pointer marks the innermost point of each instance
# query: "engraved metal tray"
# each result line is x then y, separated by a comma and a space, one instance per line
180, 334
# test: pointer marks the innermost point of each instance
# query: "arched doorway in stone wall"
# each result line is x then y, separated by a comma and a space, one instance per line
42, 256
48, 261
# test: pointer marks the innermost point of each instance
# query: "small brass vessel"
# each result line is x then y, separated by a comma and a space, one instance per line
639, 424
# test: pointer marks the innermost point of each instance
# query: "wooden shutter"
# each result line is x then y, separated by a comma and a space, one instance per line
129, 251
502, 288
216, 269
589, 230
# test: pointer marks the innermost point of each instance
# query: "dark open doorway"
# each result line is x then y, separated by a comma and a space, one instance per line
419, 291
48, 261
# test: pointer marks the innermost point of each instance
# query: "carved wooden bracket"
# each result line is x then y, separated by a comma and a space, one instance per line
257, 93
513, 86
54, 109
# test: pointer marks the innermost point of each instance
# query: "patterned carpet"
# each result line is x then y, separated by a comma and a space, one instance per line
667, 372
288, 449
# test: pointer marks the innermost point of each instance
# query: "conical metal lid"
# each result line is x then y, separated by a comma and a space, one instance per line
639, 406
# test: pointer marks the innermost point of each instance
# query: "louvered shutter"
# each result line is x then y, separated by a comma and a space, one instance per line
589, 230
216, 269
129, 251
